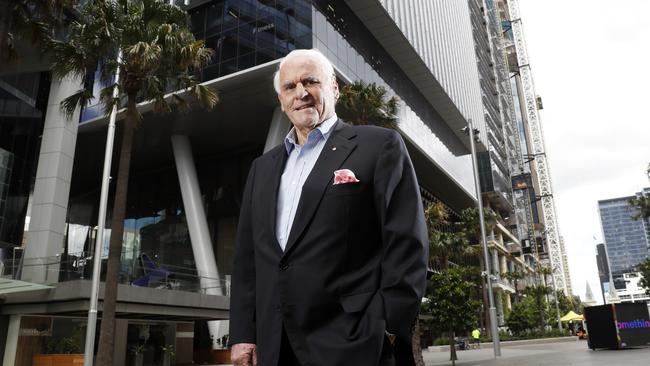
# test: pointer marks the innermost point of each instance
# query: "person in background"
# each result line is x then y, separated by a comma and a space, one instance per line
476, 337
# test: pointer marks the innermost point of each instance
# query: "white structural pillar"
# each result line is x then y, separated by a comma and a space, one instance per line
206, 264
51, 188
11, 345
277, 130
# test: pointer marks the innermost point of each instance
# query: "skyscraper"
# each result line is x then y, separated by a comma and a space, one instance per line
422, 52
627, 238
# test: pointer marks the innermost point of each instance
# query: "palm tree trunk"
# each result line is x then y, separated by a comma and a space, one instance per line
107, 334
417, 346
546, 287
516, 290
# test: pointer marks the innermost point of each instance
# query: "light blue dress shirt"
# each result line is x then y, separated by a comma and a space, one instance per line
300, 162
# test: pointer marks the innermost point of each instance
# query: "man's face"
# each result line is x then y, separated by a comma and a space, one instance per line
307, 93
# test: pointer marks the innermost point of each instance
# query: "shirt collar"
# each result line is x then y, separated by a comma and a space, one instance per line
323, 130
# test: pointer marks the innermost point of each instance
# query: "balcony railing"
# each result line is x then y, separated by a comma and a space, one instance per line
142, 271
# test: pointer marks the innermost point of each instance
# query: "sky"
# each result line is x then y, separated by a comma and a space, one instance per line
590, 62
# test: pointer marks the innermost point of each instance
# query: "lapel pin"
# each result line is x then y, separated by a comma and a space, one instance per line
334, 148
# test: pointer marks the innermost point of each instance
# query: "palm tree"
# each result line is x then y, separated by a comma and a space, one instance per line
471, 228
515, 276
367, 104
446, 240
539, 293
642, 202
158, 54
35, 20
544, 271
471, 223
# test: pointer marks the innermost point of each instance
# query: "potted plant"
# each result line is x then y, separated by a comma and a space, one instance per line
62, 350
168, 354
222, 355
138, 354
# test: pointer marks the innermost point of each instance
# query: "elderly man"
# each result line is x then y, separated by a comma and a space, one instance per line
331, 252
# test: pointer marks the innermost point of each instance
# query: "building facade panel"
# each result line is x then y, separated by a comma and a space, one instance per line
626, 238
417, 119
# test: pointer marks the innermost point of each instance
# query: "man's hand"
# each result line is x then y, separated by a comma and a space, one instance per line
243, 354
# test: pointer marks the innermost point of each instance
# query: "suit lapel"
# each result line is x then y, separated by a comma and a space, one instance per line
336, 150
276, 167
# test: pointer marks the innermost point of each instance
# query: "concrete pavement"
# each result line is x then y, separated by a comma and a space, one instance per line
549, 354
563, 353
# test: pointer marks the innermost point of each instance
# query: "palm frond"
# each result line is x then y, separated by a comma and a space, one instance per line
206, 96
107, 99
79, 99
159, 53
68, 60
143, 54
365, 104
180, 102
160, 105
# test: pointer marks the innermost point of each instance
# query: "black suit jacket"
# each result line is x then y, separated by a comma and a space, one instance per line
355, 261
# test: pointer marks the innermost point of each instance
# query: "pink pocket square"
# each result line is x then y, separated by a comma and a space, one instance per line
344, 176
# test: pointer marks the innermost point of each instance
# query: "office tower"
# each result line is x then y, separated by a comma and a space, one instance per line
531, 179
626, 238
422, 52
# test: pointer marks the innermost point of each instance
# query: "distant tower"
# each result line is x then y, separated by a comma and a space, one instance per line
589, 297
626, 238
612, 295
537, 151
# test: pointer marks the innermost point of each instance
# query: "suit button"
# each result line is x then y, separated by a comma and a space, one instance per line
284, 266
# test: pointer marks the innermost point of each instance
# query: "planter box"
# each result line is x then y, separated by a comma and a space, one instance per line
221, 356
212, 356
58, 360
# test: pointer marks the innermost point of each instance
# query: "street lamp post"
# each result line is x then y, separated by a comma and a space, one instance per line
89, 349
493, 311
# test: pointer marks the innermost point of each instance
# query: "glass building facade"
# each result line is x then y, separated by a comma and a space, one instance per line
627, 239
243, 34
157, 248
23, 98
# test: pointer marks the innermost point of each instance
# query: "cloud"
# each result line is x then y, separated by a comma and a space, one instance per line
588, 61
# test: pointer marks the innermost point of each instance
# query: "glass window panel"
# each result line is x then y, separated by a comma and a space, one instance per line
197, 21
211, 72
229, 47
247, 60
246, 36
265, 55
214, 19
229, 66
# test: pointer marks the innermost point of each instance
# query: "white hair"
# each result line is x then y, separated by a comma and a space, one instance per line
314, 54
